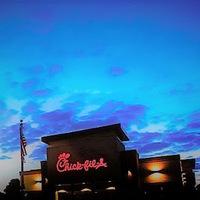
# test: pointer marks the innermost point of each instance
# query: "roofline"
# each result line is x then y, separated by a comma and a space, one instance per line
160, 158
117, 127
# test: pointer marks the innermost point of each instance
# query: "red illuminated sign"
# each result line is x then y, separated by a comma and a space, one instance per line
63, 164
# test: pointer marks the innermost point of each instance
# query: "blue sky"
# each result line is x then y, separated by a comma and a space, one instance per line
68, 65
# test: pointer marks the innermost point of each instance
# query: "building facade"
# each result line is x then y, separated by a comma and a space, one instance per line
93, 164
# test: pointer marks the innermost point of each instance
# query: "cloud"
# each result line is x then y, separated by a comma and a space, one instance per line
5, 157
151, 128
30, 107
147, 138
194, 125
37, 151
31, 83
52, 104
165, 139
43, 92
54, 70
185, 91
74, 116
194, 121
9, 139
87, 110
195, 116
117, 71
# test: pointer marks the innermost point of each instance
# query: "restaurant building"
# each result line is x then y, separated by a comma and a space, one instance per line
94, 164
90, 164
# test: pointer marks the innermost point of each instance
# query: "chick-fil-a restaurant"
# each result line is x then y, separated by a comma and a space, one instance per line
93, 164
89, 164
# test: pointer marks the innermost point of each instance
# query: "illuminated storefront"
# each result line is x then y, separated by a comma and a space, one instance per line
93, 164
90, 164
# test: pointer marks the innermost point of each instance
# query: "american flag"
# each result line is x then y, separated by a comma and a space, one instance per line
23, 142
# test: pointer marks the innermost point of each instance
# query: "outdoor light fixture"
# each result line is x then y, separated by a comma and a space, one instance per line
130, 175
156, 166
38, 180
62, 191
157, 175
38, 184
86, 190
110, 188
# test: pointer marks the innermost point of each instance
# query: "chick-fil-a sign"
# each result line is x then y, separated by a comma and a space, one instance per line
63, 164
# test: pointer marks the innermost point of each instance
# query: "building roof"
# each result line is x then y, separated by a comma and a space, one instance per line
188, 163
109, 128
160, 158
31, 172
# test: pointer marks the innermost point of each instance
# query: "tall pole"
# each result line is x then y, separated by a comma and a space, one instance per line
22, 156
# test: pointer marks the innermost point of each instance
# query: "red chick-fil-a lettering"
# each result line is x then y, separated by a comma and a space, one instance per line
63, 164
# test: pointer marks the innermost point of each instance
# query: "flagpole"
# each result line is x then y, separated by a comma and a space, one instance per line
22, 157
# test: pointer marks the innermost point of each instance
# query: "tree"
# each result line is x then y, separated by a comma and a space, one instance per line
2, 196
12, 190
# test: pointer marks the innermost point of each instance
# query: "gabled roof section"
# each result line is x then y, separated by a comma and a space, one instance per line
109, 128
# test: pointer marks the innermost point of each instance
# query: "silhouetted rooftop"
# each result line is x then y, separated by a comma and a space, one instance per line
109, 128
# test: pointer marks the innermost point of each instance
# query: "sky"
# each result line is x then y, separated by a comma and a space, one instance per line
69, 65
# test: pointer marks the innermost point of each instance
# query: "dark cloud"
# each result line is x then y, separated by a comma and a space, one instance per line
151, 147
30, 83
194, 117
54, 122
67, 120
130, 145
171, 143
179, 137
118, 112
185, 91
43, 92
117, 71
56, 117
194, 122
9, 139
54, 70
39, 153
31, 107
182, 141
194, 125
